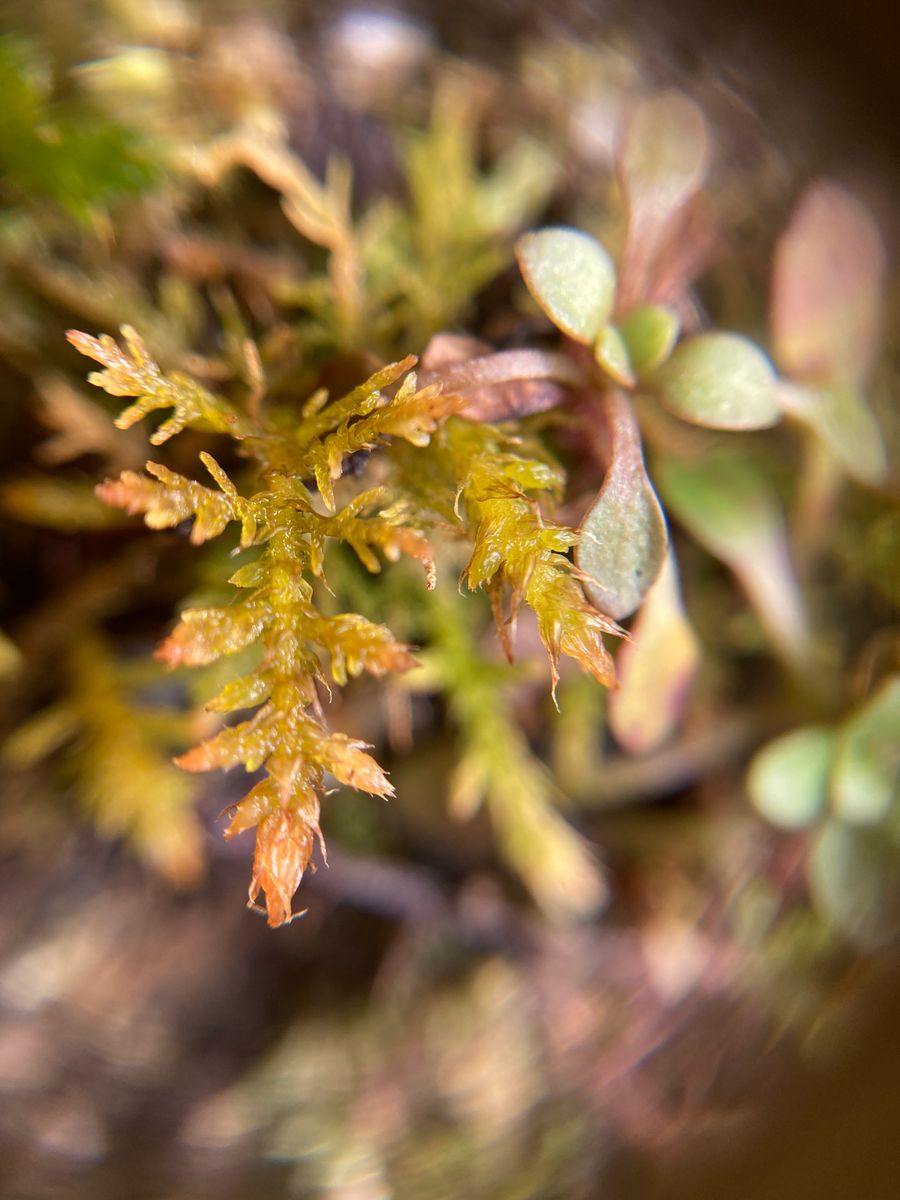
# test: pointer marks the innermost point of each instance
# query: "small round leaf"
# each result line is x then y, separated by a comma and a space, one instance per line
866, 780
788, 779
650, 334
571, 277
854, 878
611, 354
722, 381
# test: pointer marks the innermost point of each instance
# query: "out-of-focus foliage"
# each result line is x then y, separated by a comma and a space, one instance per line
113, 751
846, 783
67, 152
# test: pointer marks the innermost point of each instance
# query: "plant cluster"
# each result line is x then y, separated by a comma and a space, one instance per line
546, 466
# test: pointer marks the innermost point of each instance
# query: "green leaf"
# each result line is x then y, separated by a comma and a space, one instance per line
843, 420
622, 539
611, 354
866, 778
728, 505
650, 334
722, 381
827, 289
655, 668
65, 152
571, 277
854, 878
788, 779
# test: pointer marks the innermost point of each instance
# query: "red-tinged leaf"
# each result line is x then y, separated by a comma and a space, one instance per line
622, 540
496, 387
449, 350
828, 289
687, 246
662, 161
656, 669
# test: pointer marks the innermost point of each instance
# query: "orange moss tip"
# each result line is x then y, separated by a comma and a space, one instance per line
396, 658
284, 846
198, 758
173, 653
128, 492
85, 344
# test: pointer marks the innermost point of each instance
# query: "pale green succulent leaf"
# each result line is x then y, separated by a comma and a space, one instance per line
843, 420
865, 784
788, 779
650, 334
572, 278
611, 355
720, 380
727, 503
622, 539
854, 878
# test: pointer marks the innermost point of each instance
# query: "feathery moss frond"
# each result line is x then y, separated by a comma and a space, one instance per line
277, 610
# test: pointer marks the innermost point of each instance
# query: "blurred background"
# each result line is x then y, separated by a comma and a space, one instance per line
727, 1026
